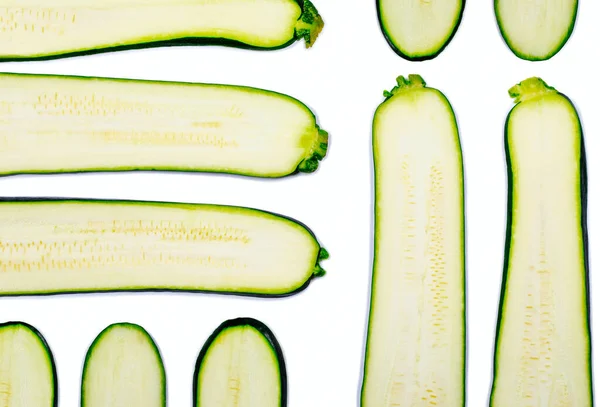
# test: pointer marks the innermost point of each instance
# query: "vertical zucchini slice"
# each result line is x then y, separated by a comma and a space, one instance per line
419, 30
123, 367
27, 371
34, 29
543, 345
240, 365
58, 124
62, 246
536, 30
415, 354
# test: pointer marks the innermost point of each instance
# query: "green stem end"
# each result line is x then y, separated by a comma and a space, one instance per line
317, 152
318, 271
529, 89
309, 25
414, 81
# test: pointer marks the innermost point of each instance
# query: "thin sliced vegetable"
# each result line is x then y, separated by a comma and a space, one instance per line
61, 124
419, 30
123, 367
536, 30
34, 29
241, 365
64, 246
543, 348
415, 354
27, 371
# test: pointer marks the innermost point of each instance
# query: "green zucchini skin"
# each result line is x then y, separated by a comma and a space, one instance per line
318, 271
403, 83
310, 15
424, 57
106, 331
18, 324
507, 243
309, 163
260, 327
528, 57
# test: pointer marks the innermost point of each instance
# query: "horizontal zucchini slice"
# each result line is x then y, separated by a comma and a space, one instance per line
63, 246
536, 30
27, 370
34, 29
242, 365
415, 351
123, 367
62, 124
543, 346
419, 30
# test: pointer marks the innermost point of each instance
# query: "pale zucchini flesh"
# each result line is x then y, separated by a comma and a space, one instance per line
543, 347
32, 29
62, 246
27, 370
536, 30
419, 29
62, 124
241, 365
123, 367
415, 353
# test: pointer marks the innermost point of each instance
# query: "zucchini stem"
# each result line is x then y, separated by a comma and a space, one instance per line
529, 89
318, 270
414, 81
310, 24
316, 153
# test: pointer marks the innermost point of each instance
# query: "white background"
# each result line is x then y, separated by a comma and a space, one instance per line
321, 330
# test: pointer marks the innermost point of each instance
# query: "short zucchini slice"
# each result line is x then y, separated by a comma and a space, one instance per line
27, 370
415, 352
536, 30
34, 29
419, 30
62, 124
543, 348
123, 367
241, 365
62, 246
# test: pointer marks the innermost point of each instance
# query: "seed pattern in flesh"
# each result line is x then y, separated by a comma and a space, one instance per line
36, 21
65, 104
436, 288
539, 384
202, 127
92, 245
432, 284
5, 394
236, 364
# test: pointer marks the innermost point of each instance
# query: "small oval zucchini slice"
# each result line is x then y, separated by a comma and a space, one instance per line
242, 365
536, 30
123, 367
543, 346
36, 29
419, 30
27, 370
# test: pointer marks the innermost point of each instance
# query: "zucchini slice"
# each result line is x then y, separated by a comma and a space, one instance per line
415, 352
419, 30
123, 367
64, 246
27, 370
543, 345
57, 124
34, 29
241, 365
536, 30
